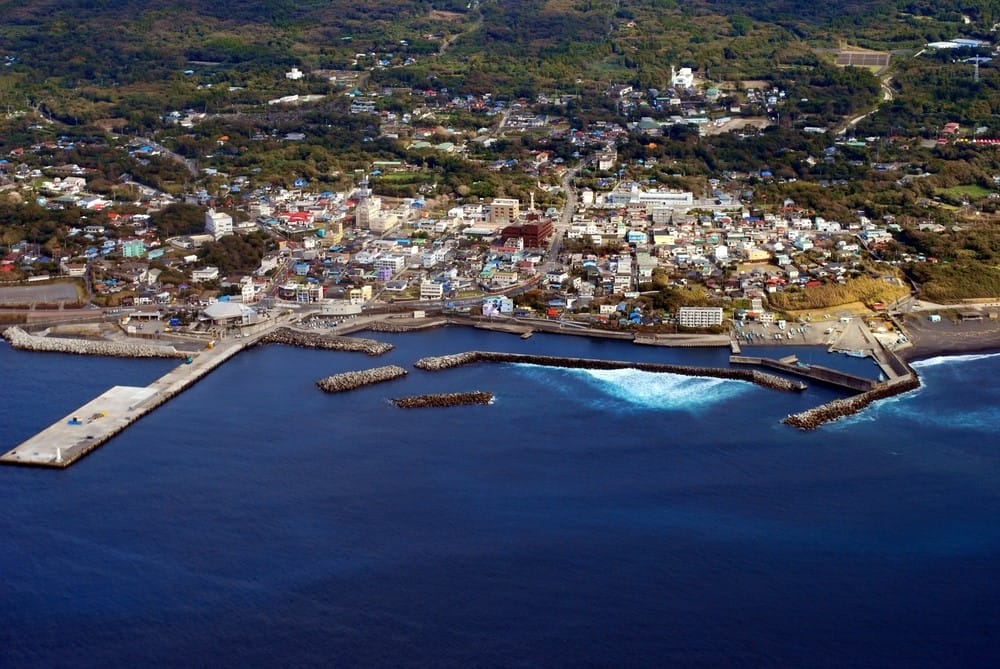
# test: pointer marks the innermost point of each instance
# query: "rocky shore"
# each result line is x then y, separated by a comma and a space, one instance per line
292, 337
339, 383
437, 363
443, 400
831, 411
20, 339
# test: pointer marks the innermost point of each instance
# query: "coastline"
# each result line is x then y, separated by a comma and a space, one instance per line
947, 338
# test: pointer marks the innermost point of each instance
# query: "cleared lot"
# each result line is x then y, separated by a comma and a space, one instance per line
40, 293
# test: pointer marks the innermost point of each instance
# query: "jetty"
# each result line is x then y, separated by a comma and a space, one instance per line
81, 431
93, 424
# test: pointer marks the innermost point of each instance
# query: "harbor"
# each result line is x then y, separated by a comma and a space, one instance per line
93, 424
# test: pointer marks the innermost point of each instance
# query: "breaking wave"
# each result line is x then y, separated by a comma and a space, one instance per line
953, 359
648, 390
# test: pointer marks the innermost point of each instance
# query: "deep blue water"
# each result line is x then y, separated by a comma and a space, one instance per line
611, 519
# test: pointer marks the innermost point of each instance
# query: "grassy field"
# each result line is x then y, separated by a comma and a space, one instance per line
971, 191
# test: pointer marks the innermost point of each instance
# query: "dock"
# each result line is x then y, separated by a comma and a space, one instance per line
83, 430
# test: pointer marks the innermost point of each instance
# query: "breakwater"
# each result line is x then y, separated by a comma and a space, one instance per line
76, 434
818, 373
436, 363
20, 339
345, 381
292, 337
443, 400
831, 411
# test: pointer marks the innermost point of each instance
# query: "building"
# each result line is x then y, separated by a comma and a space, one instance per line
652, 199
133, 248
390, 264
431, 290
340, 308
228, 314
534, 234
368, 212
247, 290
218, 224
682, 78
606, 160
504, 211
205, 274
699, 317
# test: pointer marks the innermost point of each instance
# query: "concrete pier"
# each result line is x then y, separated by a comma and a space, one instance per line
80, 432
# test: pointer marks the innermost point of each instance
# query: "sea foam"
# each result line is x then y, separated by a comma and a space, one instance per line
651, 390
953, 359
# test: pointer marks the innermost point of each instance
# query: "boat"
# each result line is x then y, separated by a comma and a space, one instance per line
527, 335
857, 354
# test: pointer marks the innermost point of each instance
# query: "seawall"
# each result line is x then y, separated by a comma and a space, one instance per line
20, 339
753, 376
831, 411
292, 337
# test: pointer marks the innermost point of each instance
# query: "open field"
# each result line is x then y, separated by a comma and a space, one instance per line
50, 293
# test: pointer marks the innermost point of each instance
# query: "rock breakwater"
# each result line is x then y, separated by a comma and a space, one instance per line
831, 411
443, 400
292, 337
436, 363
339, 383
20, 339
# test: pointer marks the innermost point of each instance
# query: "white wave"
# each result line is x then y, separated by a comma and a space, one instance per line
950, 359
656, 390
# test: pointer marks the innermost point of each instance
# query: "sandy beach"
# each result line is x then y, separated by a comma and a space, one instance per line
949, 337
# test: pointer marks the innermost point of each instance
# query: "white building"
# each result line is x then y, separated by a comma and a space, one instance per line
390, 263
653, 199
294, 73
205, 274
218, 224
433, 257
682, 78
431, 290
340, 308
699, 317
606, 160
247, 290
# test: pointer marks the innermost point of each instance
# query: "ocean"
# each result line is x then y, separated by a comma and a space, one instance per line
584, 519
